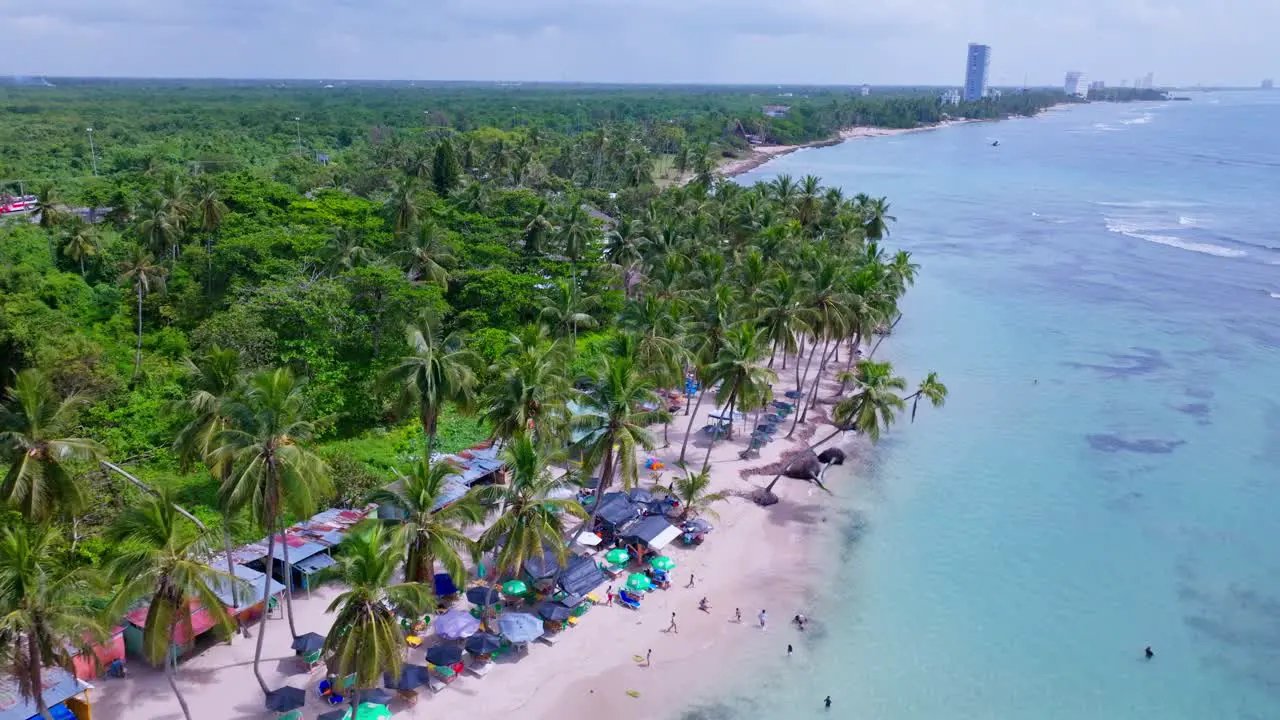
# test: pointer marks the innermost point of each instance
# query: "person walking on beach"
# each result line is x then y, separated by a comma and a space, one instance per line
648, 657
764, 619
690, 581
737, 615
672, 627
704, 606
790, 650
609, 595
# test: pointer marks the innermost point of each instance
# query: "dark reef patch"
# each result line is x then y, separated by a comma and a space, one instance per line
1140, 361
1115, 443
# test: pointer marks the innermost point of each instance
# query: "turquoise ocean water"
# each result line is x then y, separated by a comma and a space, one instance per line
1101, 293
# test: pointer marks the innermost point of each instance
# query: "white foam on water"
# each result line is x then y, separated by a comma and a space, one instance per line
1189, 221
1274, 295
1147, 204
1143, 120
1145, 230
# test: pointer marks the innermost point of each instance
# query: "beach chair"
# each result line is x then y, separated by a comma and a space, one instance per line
291, 715
310, 660
574, 620
593, 597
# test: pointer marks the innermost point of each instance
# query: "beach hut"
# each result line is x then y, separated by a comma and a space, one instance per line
92, 665
651, 533
581, 575
64, 694
616, 510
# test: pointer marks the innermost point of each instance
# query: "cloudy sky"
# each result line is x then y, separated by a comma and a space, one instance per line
735, 41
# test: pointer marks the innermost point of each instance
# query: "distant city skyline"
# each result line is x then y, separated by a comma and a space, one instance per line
662, 41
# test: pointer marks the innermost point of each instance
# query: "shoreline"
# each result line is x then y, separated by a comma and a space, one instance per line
763, 154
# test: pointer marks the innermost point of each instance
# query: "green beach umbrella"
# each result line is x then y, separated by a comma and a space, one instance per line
370, 711
663, 563
617, 556
515, 587
638, 581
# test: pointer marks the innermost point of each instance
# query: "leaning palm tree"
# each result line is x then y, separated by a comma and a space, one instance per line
34, 421
533, 519
439, 371
435, 526
160, 224
213, 377
743, 382
366, 640
79, 240
346, 250
44, 617
693, 490
931, 389
530, 391
160, 558
613, 423
273, 472
141, 271
575, 234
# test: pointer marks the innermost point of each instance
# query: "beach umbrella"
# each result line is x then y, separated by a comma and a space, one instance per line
444, 654
374, 696
481, 595
554, 611
640, 495
285, 699
308, 642
520, 627
444, 585
639, 581
663, 563
411, 676
334, 714
514, 587
617, 556
483, 644
456, 625
697, 525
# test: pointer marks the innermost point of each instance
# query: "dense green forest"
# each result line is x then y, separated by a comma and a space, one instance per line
260, 302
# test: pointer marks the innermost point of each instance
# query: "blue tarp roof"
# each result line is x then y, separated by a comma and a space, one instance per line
61, 685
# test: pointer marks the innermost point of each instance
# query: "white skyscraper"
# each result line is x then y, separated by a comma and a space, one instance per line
975, 72
1076, 84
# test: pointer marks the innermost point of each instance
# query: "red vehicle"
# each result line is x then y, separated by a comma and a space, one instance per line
16, 203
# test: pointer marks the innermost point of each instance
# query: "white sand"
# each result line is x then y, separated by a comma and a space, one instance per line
756, 558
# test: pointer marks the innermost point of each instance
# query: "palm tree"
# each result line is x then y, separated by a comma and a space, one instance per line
530, 391
366, 639
160, 224
209, 212
49, 206
141, 271
160, 557
533, 519
439, 371
427, 255
782, 315
875, 215
931, 389
33, 422
692, 490
346, 250
79, 240
742, 381
474, 198
564, 312
272, 470
402, 205
575, 235
44, 619
434, 529
614, 423
214, 378
713, 315
537, 228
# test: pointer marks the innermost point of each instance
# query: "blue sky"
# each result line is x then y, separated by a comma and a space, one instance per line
736, 41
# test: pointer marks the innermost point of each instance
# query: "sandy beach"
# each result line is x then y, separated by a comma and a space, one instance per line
756, 558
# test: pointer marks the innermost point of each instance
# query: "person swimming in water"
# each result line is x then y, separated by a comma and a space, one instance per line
1149, 652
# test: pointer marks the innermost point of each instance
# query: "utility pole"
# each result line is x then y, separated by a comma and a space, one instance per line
93, 153
297, 121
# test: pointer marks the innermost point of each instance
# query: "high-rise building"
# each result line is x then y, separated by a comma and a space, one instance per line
1268, 84
866, 90
1076, 84
975, 72
1098, 85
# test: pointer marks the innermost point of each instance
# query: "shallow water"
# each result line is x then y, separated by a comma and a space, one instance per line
1100, 294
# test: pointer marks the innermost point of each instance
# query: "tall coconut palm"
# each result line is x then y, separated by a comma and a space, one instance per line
875, 215
743, 381
402, 206
530, 391
160, 557
209, 212
213, 378
693, 490
366, 640
782, 315
34, 421
537, 228
565, 312
79, 240
575, 235
713, 314
613, 423
44, 618
160, 224
49, 206
435, 530
427, 255
438, 371
346, 250
931, 389
141, 271
534, 514
273, 472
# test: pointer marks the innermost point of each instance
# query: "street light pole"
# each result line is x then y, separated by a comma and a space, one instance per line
93, 153
298, 123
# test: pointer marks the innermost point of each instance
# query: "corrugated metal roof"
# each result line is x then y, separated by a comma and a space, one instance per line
59, 686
